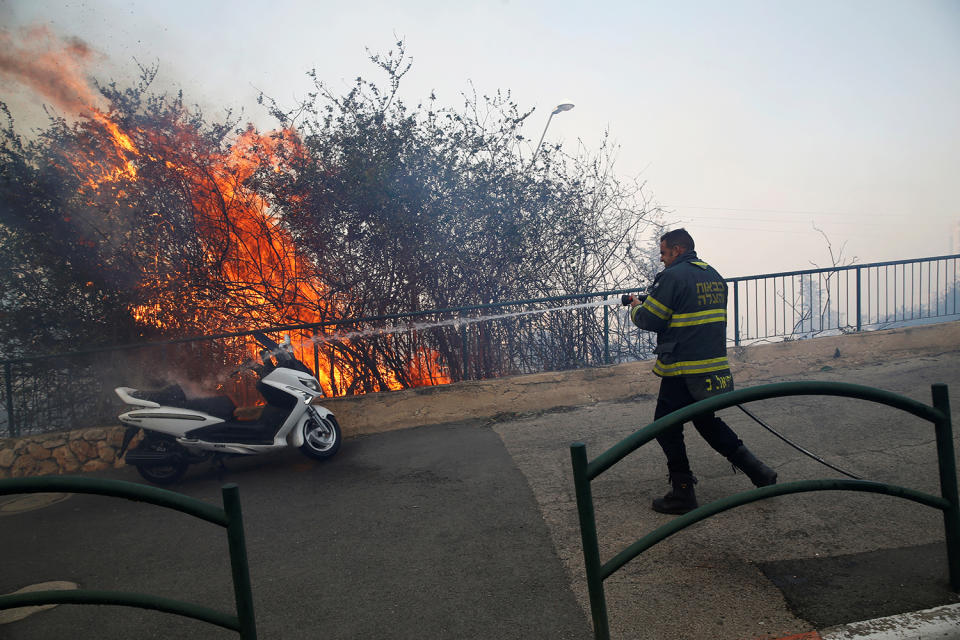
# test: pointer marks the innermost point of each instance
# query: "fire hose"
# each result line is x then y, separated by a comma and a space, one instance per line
796, 446
626, 299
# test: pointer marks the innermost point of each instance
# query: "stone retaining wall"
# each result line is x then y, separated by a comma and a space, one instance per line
61, 452
96, 449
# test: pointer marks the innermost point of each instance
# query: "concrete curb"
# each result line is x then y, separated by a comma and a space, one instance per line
939, 623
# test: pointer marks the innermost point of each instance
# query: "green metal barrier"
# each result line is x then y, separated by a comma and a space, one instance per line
229, 517
585, 471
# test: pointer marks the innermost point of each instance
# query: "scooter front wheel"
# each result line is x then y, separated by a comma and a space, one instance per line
321, 437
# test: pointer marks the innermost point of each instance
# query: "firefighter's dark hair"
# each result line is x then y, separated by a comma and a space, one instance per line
678, 238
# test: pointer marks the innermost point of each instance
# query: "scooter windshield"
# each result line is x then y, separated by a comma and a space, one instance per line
284, 357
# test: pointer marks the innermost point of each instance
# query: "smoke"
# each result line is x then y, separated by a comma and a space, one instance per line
53, 67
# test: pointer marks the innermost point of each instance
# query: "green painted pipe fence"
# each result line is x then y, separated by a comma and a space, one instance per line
584, 471
229, 517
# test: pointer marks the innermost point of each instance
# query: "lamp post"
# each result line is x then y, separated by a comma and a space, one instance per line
563, 106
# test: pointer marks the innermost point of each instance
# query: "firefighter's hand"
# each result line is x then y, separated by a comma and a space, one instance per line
635, 301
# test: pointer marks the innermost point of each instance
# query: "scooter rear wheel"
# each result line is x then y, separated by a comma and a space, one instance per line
162, 473
166, 473
321, 437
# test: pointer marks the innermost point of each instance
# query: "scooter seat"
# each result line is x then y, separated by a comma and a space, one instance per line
171, 395
259, 431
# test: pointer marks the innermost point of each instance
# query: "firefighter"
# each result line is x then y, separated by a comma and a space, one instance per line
687, 309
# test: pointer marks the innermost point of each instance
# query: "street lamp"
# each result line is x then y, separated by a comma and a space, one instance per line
563, 106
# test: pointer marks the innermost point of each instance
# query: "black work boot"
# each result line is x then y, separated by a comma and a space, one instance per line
680, 498
760, 474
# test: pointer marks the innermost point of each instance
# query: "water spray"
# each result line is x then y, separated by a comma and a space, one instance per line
419, 326
454, 322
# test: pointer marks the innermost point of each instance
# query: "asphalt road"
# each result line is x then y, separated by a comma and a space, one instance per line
424, 533
469, 530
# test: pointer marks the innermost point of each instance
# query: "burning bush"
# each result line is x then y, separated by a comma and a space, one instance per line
141, 219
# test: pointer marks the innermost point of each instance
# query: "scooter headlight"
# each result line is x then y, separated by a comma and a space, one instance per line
306, 395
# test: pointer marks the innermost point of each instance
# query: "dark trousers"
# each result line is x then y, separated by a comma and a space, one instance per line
674, 394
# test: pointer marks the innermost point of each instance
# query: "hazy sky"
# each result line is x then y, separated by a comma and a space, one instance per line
750, 121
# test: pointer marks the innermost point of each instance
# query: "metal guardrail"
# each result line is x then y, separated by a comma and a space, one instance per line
71, 390
585, 471
803, 304
229, 517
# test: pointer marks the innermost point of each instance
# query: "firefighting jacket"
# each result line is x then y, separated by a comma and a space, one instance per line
687, 309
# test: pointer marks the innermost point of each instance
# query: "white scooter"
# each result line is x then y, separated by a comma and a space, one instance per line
179, 432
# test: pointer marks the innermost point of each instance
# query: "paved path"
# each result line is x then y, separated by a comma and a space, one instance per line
773, 568
469, 530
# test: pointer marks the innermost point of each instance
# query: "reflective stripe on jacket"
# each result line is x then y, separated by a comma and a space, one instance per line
687, 309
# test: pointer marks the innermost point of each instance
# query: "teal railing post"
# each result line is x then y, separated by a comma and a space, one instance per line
588, 535
736, 313
8, 382
606, 334
948, 482
464, 347
239, 566
859, 319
